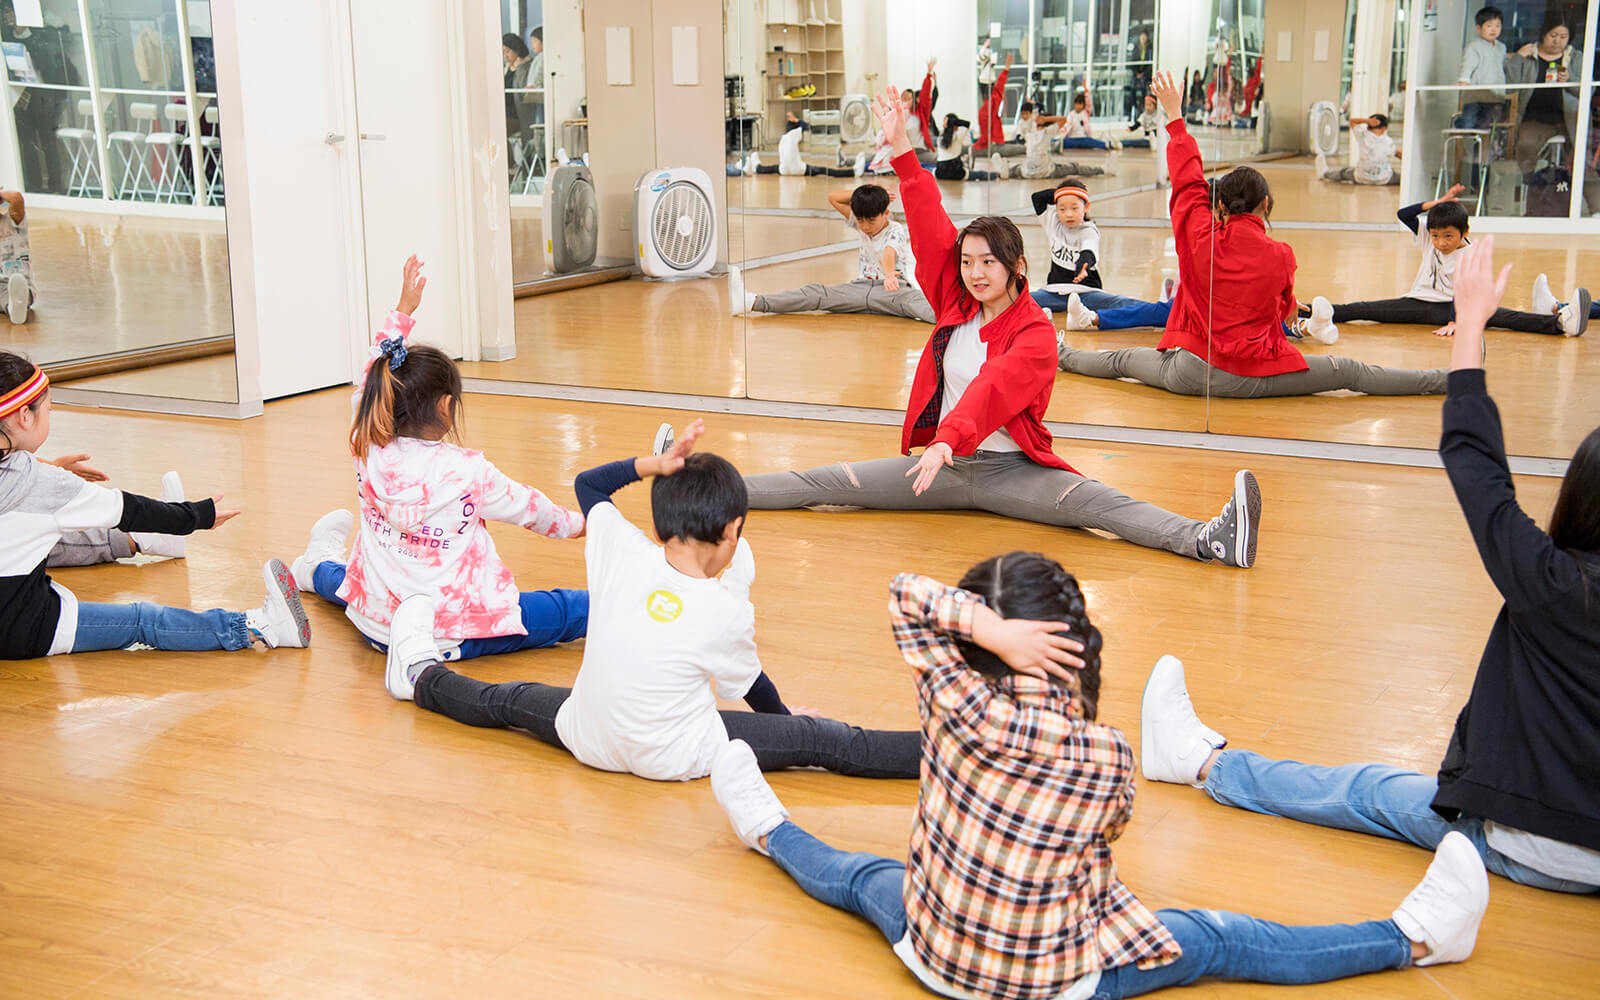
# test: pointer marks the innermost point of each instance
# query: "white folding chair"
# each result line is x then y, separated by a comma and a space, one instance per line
166, 153
83, 179
211, 160
127, 145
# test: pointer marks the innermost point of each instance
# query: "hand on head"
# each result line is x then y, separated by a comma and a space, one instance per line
1453, 194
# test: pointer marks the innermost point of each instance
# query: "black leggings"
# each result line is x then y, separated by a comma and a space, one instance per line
811, 171
780, 741
1438, 314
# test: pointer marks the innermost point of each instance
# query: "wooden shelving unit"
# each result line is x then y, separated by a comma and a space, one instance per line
804, 47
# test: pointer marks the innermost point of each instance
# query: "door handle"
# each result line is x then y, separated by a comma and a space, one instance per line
332, 138
374, 137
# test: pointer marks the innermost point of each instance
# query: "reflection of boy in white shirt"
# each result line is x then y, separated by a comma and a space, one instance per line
1375, 151
885, 283
16, 262
671, 629
1036, 132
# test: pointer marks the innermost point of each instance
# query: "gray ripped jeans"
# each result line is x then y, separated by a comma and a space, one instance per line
1187, 374
90, 548
863, 295
1007, 483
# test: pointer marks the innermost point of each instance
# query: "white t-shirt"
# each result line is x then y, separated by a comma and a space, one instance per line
1436, 275
1077, 125
869, 260
1067, 243
1554, 858
658, 640
1035, 147
959, 140
14, 254
790, 162
963, 356
1373, 164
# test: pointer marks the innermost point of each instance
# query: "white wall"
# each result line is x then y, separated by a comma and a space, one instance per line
866, 47
1181, 36
944, 29
564, 64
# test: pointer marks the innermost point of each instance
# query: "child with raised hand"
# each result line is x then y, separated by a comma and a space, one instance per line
1226, 334
425, 507
40, 503
1520, 777
1010, 888
673, 627
885, 283
1074, 280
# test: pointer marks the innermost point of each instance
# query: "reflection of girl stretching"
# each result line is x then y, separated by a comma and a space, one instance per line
1236, 290
978, 401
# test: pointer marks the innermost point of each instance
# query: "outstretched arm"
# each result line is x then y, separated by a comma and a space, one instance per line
933, 237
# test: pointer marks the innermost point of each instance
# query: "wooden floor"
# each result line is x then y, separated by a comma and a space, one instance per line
273, 824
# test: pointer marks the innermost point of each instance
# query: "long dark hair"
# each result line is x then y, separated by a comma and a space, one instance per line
14, 371
1032, 586
404, 402
1005, 242
1575, 522
951, 123
1242, 189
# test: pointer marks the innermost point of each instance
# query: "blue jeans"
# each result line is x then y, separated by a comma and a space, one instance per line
1082, 142
1374, 799
118, 626
1128, 317
1215, 944
1091, 299
550, 616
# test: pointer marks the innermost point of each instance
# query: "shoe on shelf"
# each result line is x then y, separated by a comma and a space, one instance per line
1079, 316
1444, 910
743, 793
1230, 537
1173, 743
330, 540
1574, 315
1320, 325
281, 620
1544, 300
411, 646
153, 544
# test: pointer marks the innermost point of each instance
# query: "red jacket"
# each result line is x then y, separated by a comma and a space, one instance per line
1235, 280
924, 110
990, 126
1013, 387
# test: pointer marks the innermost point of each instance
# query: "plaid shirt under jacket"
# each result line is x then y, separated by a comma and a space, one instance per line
1011, 890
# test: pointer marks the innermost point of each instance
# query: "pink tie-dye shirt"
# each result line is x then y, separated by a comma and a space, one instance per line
422, 531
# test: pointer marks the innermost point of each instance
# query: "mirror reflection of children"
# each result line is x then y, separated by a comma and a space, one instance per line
791, 163
1036, 132
16, 264
1483, 63
1374, 149
885, 283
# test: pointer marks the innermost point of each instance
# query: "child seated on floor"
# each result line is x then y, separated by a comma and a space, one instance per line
16, 264
672, 629
885, 283
1374, 148
1076, 130
1429, 301
1036, 132
790, 162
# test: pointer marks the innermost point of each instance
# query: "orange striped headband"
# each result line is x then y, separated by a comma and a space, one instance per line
24, 394
1074, 191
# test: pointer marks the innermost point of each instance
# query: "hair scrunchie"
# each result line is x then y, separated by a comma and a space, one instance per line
395, 350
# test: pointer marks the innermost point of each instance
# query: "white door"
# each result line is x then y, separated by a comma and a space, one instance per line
408, 175
304, 191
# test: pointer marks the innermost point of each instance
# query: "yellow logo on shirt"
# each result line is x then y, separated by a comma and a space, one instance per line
664, 606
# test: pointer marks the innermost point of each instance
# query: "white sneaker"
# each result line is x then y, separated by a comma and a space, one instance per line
330, 539
411, 644
663, 441
740, 302
281, 620
1079, 316
1322, 166
1169, 288
1113, 143
1445, 909
1320, 325
1173, 742
1574, 315
751, 163
860, 164
1544, 300
152, 544
997, 164
17, 298
1050, 315
743, 793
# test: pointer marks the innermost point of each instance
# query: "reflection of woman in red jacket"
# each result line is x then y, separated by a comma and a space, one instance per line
1235, 290
978, 401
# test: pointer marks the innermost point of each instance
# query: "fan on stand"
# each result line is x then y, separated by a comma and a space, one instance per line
571, 218
1323, 128
675, 220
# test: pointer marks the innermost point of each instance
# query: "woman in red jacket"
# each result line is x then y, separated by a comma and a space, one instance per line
1238, 283
979, 397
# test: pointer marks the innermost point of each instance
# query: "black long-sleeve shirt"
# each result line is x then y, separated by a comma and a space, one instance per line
1525, 752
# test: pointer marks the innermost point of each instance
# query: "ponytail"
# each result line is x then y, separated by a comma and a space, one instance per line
374, 423
400, 397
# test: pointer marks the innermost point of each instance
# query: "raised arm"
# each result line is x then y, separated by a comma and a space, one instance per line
933, 237
1191, 196
501, 498
1044, 201
839, 201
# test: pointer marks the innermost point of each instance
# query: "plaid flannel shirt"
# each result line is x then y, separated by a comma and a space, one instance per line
1011, 890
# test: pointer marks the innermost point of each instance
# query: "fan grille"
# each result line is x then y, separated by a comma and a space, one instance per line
681, 225
1325, 128
856, 121
579, 226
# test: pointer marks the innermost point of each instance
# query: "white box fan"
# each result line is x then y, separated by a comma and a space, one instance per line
571, 218
1322, 126
675, 219
1263, 127
856, 120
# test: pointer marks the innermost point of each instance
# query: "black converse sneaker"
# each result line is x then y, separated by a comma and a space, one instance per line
1231, 536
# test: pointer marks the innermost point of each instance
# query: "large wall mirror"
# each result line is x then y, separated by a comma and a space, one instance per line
113, 164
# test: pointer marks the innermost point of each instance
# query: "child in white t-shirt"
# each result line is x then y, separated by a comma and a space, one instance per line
885, 283
1375, 151
671, 630
1037, 131
16, 261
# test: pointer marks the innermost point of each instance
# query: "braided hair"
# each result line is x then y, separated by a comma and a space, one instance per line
1032, 586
